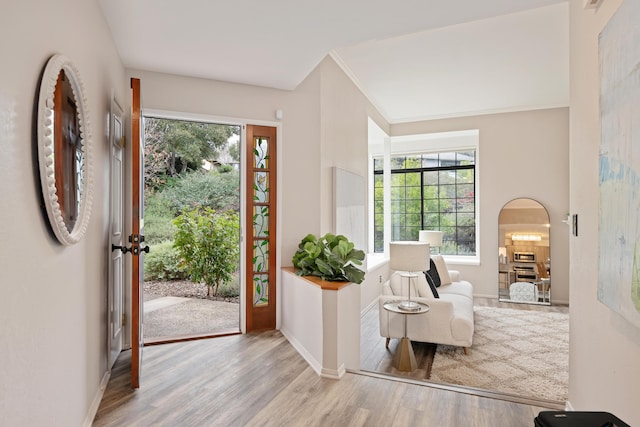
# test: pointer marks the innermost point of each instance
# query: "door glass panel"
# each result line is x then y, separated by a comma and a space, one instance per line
261, 153
260, 221
260, 256
260, 290
261, 187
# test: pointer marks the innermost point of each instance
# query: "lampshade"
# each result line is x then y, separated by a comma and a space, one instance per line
433, 238
409, 256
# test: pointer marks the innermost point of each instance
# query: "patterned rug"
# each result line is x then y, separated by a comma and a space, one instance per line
519, 352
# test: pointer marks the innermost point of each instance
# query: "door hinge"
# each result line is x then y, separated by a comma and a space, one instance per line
124, 319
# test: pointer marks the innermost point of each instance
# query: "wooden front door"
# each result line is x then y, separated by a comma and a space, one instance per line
136, 238
261, 228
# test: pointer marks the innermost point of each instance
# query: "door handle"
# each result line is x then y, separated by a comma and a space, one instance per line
135, 248
124, 249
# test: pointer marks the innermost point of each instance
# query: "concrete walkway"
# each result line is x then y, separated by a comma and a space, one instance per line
162, 302
177, 316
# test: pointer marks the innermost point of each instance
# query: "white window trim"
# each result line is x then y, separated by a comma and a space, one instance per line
386, 146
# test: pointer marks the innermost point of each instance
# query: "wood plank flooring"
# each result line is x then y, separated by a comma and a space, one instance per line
259, 379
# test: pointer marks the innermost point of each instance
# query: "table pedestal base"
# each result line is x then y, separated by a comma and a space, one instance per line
405, 359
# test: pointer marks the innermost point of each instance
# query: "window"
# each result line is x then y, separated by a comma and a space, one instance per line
434, 191
426, 182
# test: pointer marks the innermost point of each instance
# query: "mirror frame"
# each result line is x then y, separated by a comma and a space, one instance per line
54, 66
501, 243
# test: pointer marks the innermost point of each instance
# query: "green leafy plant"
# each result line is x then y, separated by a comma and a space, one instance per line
163, 263
330, 257
209, 244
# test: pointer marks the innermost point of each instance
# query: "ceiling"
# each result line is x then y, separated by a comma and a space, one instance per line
413, 59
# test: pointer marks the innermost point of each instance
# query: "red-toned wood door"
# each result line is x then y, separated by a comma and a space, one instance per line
136, 238
260, 228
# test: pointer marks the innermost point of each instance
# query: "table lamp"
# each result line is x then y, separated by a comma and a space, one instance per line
410, 258
432, 237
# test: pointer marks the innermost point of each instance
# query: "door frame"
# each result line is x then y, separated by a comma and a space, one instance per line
206, 118
265, 316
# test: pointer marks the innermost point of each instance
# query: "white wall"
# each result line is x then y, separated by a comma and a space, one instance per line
52, 298
523, 154
604, 348
344, 133
344, 139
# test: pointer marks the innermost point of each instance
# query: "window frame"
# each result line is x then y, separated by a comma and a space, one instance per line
441, 142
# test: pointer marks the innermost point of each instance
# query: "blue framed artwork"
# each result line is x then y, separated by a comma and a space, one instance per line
619, 163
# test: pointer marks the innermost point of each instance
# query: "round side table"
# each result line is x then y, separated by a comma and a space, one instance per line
404, 359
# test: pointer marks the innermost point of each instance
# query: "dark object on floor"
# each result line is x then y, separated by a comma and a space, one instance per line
577, 419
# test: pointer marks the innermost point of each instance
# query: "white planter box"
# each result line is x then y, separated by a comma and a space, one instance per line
322, 321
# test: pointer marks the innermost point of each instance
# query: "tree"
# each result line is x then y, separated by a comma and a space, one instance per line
209, 245
173, 146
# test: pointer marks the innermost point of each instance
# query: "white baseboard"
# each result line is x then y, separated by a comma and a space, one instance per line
95, 404
315, 365
369, 307
332, 373
489, 296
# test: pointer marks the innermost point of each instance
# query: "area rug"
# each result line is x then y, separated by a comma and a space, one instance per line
520, 352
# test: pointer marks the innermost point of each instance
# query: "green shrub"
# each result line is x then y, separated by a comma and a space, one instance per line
158, 220
219, 191
163, 263
225, 168
209, 244
231, 289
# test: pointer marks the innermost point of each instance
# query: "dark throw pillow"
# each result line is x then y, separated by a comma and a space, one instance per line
432, 284
433, 272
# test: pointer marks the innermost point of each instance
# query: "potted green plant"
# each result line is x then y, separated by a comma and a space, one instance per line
331, 257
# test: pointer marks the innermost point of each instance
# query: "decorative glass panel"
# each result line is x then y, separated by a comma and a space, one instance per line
260, 290
260, 255
261, 153
260, 221
261, 187
261, 181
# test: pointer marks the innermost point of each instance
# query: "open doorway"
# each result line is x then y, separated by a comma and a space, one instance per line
192, 223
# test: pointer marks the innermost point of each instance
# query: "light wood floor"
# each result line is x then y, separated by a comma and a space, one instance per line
261, 380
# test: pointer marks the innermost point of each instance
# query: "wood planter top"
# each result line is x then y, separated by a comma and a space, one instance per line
325, 285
